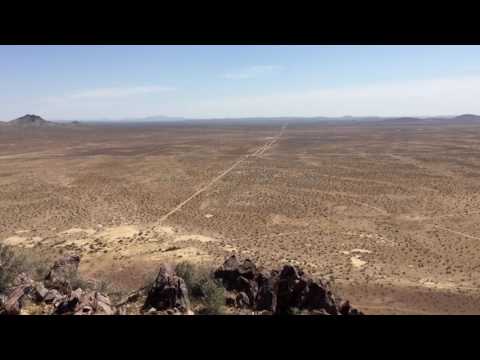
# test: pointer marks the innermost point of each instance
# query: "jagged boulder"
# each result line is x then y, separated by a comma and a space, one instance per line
13, 301
229, 273
346, 309
66, 305
279, 292
239, 277
82, 302
39, 292
266, 297
94, 303
60, 275
242, 300
168, 291
27, 293
53, 296
247, 269
320, 297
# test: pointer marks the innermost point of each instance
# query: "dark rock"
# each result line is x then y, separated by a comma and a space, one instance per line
286, 291
239, 277
289, 273
168, 291
80, 302
22, 287
299, 293
249, 287
66, 306
318, 297
247, 269
230, 299
52, 296
38, 293
229, 273
345, 308
265, 299
94, 303
242, 301
283, 292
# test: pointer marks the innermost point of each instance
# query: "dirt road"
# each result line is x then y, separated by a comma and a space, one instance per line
258, 152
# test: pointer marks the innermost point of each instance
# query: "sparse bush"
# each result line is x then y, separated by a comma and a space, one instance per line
14, 261
148, 281
104, 287
187, 272
203, 288
214, 298
11, 264
76, 281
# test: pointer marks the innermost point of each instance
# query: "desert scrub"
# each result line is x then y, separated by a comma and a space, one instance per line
204, 290
14, 261
11, 264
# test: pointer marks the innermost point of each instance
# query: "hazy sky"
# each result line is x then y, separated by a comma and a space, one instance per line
82, 82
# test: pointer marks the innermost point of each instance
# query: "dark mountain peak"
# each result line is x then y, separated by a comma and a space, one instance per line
29, 120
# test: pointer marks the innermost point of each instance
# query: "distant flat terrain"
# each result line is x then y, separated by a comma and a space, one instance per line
389, 210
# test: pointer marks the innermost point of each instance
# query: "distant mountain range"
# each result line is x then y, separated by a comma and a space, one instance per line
35, 121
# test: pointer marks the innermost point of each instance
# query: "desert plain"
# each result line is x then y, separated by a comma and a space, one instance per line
388, 211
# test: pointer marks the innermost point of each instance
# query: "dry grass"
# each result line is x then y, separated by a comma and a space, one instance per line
206, 293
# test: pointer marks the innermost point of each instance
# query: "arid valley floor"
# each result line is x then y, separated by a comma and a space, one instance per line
389, 210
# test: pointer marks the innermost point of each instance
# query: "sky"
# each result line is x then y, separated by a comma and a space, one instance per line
115, 82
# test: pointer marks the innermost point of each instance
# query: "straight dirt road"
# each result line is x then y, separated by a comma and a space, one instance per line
260, 151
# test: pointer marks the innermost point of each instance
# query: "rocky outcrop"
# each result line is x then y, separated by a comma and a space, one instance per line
17, 294
82, 302
278, 292
55, 294
168, 292
248, 288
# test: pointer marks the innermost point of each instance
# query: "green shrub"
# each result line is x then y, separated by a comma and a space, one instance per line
11, 264
14, 260
214, 298
76, 281
204, 290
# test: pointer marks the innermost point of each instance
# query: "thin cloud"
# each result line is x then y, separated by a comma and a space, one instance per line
252, 72
103, 102
437, 96
118, 92
404, 98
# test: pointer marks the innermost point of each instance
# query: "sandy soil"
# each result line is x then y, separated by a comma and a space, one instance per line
390, 213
